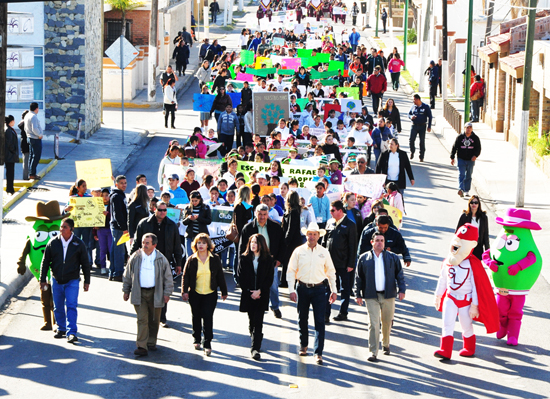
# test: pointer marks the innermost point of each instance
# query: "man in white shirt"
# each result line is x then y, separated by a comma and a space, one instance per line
309, 268
379, 292
148, 283
279, 84
360, 133
262, 87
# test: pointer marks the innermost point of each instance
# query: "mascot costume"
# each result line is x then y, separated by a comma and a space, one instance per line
516, 264
46, 226
464, 289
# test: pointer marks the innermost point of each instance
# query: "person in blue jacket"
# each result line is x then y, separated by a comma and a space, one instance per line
354, 39
228, 125
380, 135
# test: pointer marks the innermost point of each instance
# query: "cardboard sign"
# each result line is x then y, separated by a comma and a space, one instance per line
245, 77
352, 92
87, 211
278, 41
370, 186
301, 173
203, 102
174, 214
96, 172
247, 57
221, 219
269, 107
396, 215
350, 105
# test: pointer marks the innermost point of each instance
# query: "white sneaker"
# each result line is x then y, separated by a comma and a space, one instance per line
466, 194
103, 271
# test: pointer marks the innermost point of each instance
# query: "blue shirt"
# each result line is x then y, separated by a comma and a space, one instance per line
179, 196
354, 38
381, 135
423, 114
254, 44
321, 208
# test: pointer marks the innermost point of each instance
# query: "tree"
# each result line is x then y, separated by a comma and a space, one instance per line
124, 6
518, 12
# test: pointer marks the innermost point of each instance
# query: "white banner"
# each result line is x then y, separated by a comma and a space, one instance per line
367, 185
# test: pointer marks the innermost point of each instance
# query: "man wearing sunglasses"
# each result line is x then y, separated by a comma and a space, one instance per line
362, 167
169, 242
467, 148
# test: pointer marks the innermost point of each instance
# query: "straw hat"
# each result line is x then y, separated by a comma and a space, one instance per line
315, 228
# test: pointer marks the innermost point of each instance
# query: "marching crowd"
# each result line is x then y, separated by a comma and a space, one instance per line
346, 245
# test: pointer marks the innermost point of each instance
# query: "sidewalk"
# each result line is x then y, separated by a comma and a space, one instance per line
105, 143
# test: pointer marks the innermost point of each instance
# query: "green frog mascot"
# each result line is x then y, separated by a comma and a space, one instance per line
46, 226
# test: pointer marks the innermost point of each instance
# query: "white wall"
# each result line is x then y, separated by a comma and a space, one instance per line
36, 38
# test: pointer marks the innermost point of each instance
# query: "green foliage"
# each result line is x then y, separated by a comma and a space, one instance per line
541, 145
410, 80
125, 5
411, 36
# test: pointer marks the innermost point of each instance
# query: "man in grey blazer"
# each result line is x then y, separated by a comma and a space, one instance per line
379, 274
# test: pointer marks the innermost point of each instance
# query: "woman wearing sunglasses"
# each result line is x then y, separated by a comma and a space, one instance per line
477, 217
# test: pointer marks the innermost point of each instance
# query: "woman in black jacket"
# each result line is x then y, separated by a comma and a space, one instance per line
246, 95
243, 209
221, 101
11, 153
202, 276
302, 77
137, 209
291, 230
197, 216
255, 278
476, 216
391, 111
400, 163
25, 149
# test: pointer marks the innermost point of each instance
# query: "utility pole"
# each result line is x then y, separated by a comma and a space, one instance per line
152, 58
445, 64
405, 29
377, 18
3, 66
241, 5
467, 71
225, 10
424, 50
524, 123
490, 13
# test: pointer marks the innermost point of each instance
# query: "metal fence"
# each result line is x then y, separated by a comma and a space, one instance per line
453, 116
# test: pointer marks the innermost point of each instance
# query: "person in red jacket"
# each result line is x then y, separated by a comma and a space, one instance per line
477, 93
376, 87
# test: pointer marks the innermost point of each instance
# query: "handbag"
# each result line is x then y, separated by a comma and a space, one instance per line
232, 234
476, 96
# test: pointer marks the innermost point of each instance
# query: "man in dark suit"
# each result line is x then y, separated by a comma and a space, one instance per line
65, 256
341, 242
379, 273
273, 234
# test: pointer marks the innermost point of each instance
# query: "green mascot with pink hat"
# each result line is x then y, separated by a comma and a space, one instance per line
516, 264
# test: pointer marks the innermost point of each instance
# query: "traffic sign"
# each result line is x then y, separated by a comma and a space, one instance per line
122, 55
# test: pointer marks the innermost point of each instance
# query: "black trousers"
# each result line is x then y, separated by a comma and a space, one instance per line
395, 80
420, 131
376, 98
10, 175
354, 20
169, 109
433, 94
202, 311
384, 24
255, 327
227, 140
181, 68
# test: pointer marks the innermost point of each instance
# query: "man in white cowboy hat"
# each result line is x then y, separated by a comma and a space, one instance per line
309, 269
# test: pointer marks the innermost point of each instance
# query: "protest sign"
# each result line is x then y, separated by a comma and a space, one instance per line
96, 172
203, 167
304, 53
174, 214
316, 131
269, 108
278, 41
286, 72
262, 72
235, 99
336, 65
260, 61
247, 57
367, 185
312, 44
300, 173
203, 102
245, 77
396, 215
302, 102
352, 92
221, 220
321, 75
339, 11
323, 58
278, 154
330, 82
350, 105
291, 63
87, 211
299, 29
330, 107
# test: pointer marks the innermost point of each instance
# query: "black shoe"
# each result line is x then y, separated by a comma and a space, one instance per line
256, 355
117, 278
277, 313
166, 126
327, 319
412, 155
421, 159
386, 350
164, 324
340, 317
372, 358
152, 348
141, 352
59, 334
71, 339
111, 278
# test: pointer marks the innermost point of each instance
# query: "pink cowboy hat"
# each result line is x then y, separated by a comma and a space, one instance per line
520, 218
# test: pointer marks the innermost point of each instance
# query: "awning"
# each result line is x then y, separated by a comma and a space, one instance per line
513, 64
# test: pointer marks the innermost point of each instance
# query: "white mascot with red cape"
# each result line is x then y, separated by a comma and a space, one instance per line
464, 289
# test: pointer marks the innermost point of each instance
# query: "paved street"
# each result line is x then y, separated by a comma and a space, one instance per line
102, 364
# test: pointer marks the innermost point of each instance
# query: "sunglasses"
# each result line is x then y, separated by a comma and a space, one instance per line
361, 162
162, 210
332, 210
474, 203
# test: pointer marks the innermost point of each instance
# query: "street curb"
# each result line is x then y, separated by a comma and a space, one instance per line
11, 289
24, 190
144, 140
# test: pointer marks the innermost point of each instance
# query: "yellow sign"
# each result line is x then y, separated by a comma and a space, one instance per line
96, 172
124, 239
396, 215
87, 211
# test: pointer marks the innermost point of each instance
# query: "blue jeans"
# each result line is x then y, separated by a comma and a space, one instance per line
377, 153
315, 297
85, 234
274, 290
475, 105
343, 281
117, 254
35, 154
231, 251
188, 242
418, 130
65, 295
465, 171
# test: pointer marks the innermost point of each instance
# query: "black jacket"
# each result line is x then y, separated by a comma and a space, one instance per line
242, 216
358, 221
217, 279
250, 281
24, 143
136, 213
11, 146
365, 285
69, 269
341, 242
204, 219
181, 55
483, 239
214, 7
221, 102
332, 149
393, 238
276, 243
118, 206
394, 116
172, 243
292, 231
466, 148
404, 166
246, 97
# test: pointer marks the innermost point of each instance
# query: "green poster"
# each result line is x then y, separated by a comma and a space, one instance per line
286, 72
302, 102
304, 53
352, 92
247, 57
330, 82
336, 65
261, 72
321, 75
323, 57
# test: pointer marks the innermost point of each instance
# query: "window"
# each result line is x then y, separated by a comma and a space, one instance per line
114, 30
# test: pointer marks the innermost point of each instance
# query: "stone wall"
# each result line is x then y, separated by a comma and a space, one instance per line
68, 76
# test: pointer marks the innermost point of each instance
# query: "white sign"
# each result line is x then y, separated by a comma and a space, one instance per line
129, 52
370, 186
